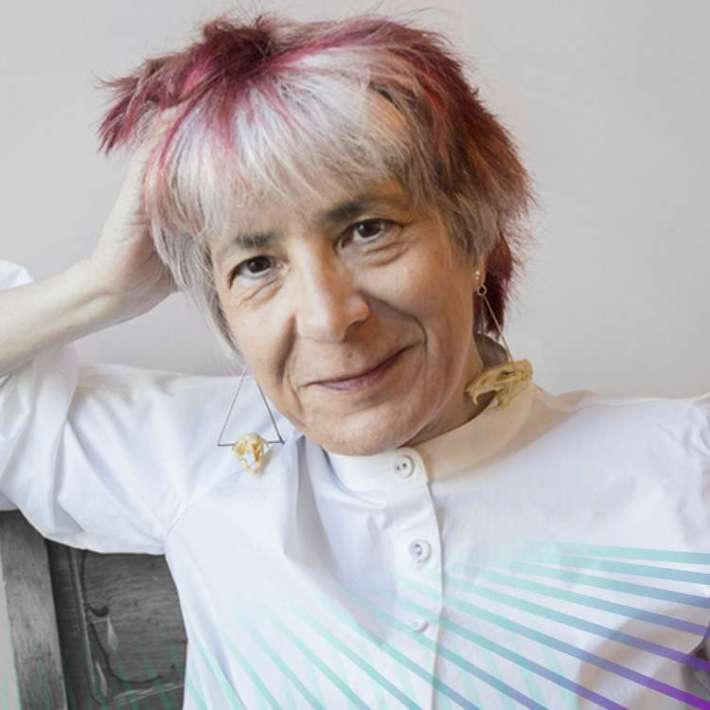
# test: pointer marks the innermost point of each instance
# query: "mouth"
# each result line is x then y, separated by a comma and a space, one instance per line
362, 379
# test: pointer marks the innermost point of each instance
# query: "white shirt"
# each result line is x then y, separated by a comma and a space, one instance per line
553, 553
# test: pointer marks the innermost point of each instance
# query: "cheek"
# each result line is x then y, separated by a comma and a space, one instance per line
244, 331
259, 337
430, 287
441, 297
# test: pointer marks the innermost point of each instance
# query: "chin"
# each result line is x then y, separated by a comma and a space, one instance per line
369, 431
354, 448
362, 443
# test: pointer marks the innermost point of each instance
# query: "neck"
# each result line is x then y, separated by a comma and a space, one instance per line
485, 352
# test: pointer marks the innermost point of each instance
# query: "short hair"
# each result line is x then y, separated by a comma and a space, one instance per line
275, 107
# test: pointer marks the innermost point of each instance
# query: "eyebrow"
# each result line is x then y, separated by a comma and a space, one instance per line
337, 214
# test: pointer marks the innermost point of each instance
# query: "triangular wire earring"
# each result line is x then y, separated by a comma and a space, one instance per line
506, 379
250, 449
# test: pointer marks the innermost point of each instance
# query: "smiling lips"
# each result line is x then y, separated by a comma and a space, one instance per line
355, 376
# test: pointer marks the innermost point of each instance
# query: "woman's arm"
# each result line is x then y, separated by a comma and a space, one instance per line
121, 279
54, 311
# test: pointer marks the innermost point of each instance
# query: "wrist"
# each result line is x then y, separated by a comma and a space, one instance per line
93, 306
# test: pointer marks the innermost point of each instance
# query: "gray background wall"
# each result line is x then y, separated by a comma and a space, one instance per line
608, 103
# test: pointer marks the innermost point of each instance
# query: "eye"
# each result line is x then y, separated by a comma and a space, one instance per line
368, 224
241, 268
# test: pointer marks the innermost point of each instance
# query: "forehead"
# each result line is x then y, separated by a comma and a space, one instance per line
260, 223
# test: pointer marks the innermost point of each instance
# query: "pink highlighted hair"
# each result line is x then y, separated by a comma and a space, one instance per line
274, 108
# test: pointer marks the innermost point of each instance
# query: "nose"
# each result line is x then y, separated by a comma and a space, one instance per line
328, 301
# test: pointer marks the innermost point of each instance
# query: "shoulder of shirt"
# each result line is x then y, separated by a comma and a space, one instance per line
122, 377
211, 395
577, 399
689, 415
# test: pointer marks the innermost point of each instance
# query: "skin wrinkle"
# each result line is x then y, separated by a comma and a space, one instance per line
324, 308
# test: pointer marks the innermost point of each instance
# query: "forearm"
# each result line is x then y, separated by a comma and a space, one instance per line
54, 311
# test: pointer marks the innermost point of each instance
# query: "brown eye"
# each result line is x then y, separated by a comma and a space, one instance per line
369, 228
241, 268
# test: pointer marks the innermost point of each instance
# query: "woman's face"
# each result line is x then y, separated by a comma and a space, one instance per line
334, 292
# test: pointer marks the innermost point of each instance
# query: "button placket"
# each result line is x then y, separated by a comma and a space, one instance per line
410, 501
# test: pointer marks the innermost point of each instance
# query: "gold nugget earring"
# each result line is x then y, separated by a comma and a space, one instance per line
251, 449
506, 379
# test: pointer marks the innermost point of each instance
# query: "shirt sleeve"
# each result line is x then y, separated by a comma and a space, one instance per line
106, 457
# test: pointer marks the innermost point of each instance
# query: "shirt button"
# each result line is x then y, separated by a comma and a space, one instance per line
420, 550
417, 624
404, 467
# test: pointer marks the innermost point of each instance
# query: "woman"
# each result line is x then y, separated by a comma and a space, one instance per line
411, 521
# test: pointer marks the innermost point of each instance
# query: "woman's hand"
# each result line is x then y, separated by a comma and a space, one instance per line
124, 264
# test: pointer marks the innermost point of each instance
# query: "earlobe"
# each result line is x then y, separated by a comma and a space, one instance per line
480, 276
